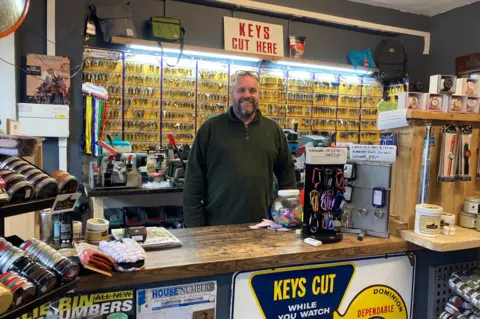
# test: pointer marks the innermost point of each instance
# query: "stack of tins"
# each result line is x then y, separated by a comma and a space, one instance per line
66, 183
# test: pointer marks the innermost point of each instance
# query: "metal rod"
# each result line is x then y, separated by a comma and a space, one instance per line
423, 190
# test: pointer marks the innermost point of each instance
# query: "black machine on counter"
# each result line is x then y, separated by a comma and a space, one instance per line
114, 169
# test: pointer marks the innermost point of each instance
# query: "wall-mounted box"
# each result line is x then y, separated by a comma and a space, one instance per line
442, 84
44, 120
468, 87
412, 100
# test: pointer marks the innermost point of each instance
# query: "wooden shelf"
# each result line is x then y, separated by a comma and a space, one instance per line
442, 116
463, 239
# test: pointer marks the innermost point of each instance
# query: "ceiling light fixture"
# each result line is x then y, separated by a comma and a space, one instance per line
324, 67
195, 53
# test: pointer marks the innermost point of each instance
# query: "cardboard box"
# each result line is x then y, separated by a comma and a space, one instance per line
412, 100
473, 105
468, 87
434, 102
454, 103
442, 84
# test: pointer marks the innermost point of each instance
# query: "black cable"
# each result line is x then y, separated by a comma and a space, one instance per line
44, 38
26, 72
76, 67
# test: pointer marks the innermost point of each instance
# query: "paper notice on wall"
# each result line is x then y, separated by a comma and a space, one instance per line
326, 155
392, 119
374, 153
190, 301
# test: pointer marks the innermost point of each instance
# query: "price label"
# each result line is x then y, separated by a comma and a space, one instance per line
326, 155
374, 153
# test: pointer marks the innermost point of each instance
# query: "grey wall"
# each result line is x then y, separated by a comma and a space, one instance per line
454, 33
204, 27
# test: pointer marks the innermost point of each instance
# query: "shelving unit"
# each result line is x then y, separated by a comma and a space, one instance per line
463, 239
53, 295
23, 208
442, 116
449, 195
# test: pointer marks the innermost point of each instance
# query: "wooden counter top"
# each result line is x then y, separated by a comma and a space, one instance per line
227, 249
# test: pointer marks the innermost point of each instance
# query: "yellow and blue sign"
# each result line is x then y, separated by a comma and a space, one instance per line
345, 290
302, 292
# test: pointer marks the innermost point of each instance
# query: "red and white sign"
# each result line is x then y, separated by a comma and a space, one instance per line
253, 37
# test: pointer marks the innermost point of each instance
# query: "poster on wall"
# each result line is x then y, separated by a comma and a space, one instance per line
379, 288
48, 79
253, 37
189, 301
105, 305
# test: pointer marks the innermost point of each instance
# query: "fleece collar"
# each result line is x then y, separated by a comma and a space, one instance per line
233, 117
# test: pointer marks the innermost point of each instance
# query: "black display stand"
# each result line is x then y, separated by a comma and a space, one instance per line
324, 174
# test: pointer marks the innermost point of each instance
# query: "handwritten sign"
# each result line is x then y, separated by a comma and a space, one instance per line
375, 153
253, 37
392, 119
326, 155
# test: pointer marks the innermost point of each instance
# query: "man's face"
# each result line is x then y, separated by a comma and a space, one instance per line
245, 95
50, 71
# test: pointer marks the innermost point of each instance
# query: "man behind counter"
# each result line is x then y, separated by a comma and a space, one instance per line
230, 169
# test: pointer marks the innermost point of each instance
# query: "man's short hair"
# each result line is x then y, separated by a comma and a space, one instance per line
244, 73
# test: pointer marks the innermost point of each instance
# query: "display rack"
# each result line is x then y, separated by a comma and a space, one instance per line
149, 98
105, 68
23, 208
406, 178
40, 301
141, 116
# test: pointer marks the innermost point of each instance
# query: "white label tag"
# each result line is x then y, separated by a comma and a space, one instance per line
348, 171
374, 153
326, 155
28, 193
130, 32
392, 119
378, 198
348, 194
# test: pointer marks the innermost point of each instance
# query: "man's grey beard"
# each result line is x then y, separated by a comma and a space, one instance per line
237, 106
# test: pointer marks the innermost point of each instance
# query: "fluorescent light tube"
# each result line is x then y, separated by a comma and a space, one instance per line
323, 67
196, 53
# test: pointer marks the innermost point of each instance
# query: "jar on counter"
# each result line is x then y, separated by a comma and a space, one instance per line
286, 208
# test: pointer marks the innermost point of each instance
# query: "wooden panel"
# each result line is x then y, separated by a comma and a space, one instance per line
406, 174
406, 171
227, 249
463, 239
395, 226
442, 116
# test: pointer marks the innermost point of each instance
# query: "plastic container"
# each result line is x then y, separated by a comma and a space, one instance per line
471, 205
428, 219
467, 220
286, 208
77, 230
96, 230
